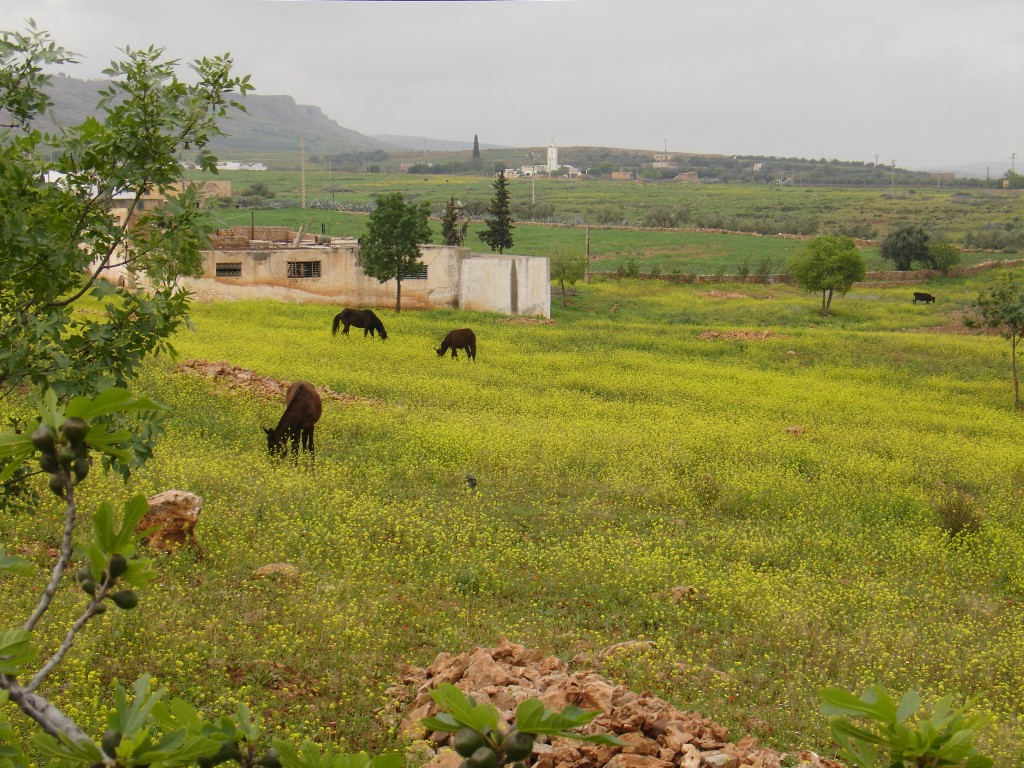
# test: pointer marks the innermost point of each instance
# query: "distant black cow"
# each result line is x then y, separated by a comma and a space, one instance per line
463, 338
927, 298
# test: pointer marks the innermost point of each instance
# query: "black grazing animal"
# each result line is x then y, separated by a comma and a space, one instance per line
360, 318
302, 411
463, 338
927, 298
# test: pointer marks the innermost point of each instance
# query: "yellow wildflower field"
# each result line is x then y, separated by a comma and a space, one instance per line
775, 500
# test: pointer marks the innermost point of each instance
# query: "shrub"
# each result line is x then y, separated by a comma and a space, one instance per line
944, 739
959, 513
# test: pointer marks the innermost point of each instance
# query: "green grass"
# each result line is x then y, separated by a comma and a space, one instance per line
737, 207
947, 212
619, 454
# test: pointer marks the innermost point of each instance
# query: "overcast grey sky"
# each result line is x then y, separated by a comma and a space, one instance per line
929, 84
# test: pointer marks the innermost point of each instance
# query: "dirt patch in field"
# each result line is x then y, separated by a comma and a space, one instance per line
722, 295
955, 324
744, 335
237, 377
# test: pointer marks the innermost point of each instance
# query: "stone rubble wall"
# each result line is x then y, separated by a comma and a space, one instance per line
657, 734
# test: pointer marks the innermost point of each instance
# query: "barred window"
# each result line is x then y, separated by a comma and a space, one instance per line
303, 269
229, 269
415, 272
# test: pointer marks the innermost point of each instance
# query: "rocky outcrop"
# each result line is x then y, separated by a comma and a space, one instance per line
656, 734
173, 515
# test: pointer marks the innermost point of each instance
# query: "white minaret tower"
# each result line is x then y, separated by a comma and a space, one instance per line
552, 157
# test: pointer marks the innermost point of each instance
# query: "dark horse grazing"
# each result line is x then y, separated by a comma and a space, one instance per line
463, 338
301, 413
360, 318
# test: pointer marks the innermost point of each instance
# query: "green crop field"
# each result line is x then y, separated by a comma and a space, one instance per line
798, 477
553, 216
766, 209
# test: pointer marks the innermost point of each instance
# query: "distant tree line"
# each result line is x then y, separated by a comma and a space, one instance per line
360, 160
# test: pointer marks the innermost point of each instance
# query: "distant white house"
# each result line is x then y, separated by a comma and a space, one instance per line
551, 166
232, 166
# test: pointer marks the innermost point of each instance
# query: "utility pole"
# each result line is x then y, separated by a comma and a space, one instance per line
302, 170
586, 275
1013, 156
892, 182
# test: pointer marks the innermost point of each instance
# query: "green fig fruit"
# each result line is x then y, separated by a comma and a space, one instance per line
467, 741
117, 566
74, 429
270, 759
44, 440
518, 746
48, 462
126, 599
65, 456
484, 757
57, 483
111, 739
81, 468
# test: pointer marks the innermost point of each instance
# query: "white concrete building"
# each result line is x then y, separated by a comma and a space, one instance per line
328, 270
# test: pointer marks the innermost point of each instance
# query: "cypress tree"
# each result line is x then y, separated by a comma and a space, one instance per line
498, 224
476, 151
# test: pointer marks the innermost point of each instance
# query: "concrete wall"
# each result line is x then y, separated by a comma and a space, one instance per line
455, 278
512, 285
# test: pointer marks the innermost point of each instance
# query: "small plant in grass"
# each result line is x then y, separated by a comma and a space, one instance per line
764, 270
944, 739
478, 735
959, 513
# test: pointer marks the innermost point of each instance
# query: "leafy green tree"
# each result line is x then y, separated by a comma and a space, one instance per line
1002, 309
904, 246
828, 264
943, 256
391, 245
498, 225
453, 226
567, 269
60, 239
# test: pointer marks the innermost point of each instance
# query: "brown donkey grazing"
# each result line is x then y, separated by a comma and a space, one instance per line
302, 411
463, 338
360, 318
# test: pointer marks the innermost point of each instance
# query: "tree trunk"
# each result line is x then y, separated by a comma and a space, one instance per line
562, 283
824, 306
828, 304
398, 295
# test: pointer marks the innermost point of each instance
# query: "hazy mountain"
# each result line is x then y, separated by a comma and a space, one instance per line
270, 123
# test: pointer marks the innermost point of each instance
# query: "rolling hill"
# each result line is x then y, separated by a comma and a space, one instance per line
270, 123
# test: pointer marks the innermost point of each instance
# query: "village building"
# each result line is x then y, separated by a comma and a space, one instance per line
663, 160
552, 166
274, 262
